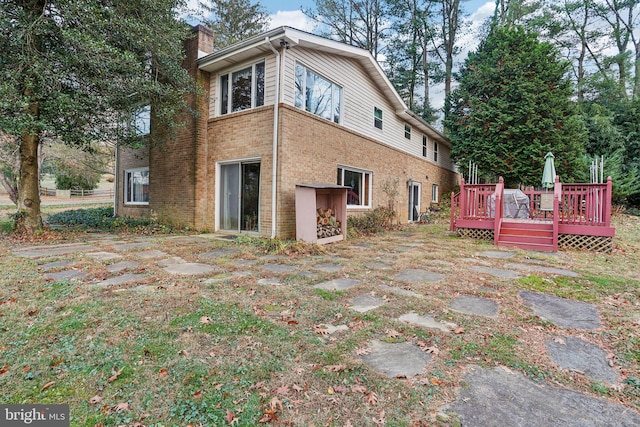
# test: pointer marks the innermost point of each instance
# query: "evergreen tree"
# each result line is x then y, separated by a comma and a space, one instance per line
235, 20
512, 106
76, 70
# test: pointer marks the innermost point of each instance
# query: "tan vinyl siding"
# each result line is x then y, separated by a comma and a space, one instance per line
359, 97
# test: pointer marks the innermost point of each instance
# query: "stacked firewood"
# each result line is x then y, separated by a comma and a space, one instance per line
326, 223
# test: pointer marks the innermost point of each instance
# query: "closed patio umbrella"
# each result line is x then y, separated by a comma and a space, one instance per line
549, 172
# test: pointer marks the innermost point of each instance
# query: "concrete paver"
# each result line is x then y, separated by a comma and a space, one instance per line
574, 354
474, 305
337, 284
428, 322
562, 312
498, 397
396, 359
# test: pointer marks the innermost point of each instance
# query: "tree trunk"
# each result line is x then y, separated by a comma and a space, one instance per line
10, 188
29, 185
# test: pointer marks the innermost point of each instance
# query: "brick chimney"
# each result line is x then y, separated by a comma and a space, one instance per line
205, 40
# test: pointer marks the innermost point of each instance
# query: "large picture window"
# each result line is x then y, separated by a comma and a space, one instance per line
317, 95
242, 89
136, 189
359, 183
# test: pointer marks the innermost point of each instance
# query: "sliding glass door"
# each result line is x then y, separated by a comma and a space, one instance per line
239, 196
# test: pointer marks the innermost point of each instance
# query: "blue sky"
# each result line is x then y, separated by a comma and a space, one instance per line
287, 12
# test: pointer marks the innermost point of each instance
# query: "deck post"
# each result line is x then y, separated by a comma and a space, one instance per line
607, 203
498, 210
557, 198
463, 199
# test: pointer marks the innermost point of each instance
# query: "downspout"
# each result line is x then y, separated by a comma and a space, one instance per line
116, 181
276, 108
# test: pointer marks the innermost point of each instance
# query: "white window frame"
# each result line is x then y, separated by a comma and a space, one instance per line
365, 182
377, 120
339, 102
254, 86
434, 193
128, 183
435, 151
407, 131
425, 142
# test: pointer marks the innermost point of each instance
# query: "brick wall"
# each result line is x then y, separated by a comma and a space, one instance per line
178, 166
311, 149
236, 137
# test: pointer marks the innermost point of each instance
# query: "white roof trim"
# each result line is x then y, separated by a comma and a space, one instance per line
258, 44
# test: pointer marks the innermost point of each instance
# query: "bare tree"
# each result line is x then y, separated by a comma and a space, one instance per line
358, 23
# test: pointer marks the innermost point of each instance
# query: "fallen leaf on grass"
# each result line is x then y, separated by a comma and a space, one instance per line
283, 390
95, 400
357, 388
57, 362
4, 369
391, 333
121, 407
341, 389
276, 404
459, 331
320, 330
372, 398
115, 375
362, 351
381, 420
230, 418
163, 372
205, 320
47, 385
336, 368
268, 416
33, 312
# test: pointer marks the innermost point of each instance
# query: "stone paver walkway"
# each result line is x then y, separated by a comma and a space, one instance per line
487, 397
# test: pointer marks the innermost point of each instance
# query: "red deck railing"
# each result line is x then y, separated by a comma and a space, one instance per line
578, 207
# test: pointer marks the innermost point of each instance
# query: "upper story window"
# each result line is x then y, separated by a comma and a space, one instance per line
407, 131
435, 151
359, 183
242, 89
142, 120
377, 117
317, 95
424, 145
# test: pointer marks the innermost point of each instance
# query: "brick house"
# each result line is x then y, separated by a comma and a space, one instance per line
283, 108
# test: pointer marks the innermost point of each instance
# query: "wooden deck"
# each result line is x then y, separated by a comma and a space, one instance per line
573, 215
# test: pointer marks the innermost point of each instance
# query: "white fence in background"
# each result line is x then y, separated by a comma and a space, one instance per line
107, 194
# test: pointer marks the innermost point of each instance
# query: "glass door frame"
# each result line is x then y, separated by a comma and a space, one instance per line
415, 189
219, 195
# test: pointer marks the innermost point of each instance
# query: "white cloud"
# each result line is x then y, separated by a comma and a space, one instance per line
291, 18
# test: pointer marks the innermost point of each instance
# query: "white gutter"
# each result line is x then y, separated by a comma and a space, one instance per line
276, 109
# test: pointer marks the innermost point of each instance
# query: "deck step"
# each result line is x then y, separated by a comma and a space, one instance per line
537, 236
527, 246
